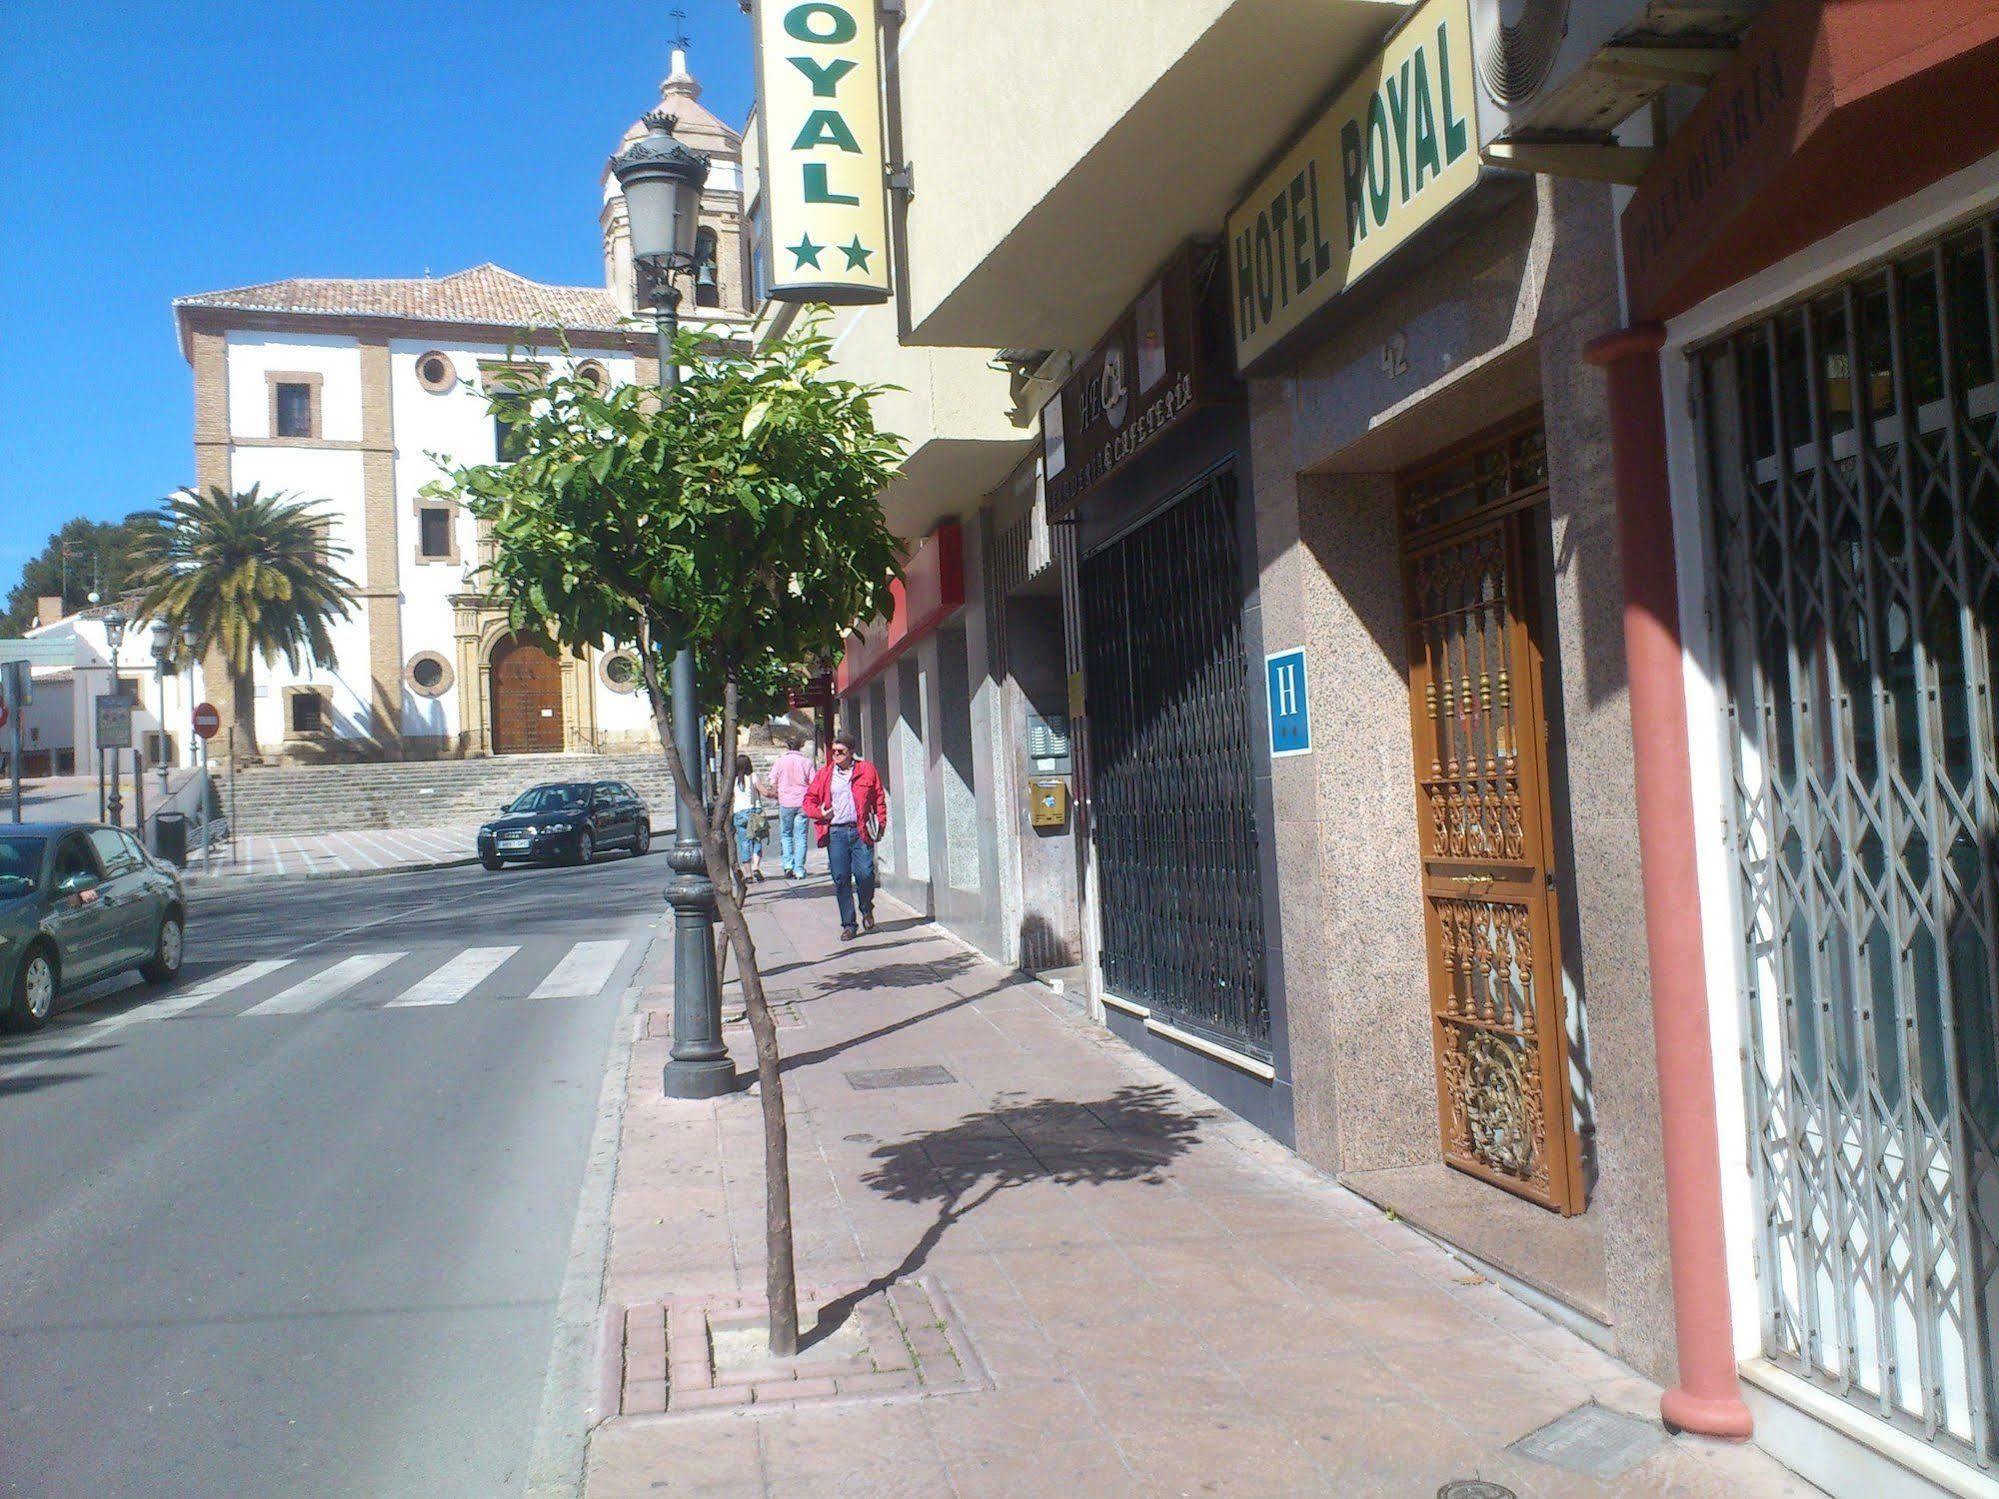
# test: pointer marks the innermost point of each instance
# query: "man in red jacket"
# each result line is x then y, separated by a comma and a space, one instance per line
849, 808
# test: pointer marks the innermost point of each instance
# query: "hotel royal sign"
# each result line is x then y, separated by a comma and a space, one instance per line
1397, 148
818, 80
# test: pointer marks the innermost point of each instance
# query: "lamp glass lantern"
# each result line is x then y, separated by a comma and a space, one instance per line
114, 632
662, 180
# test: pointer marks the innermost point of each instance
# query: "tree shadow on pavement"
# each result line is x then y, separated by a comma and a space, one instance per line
899, 975
1130, 1136
11, 1087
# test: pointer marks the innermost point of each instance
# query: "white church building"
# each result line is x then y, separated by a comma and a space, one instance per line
341, 391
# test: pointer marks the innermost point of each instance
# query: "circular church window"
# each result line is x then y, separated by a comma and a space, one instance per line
621, 671
428, 674
435, 373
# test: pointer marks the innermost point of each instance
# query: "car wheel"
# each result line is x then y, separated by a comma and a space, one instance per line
163, 967
489, 863
642, 840
34, 995
586, 848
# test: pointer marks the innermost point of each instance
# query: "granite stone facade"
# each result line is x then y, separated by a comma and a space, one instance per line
1489, 328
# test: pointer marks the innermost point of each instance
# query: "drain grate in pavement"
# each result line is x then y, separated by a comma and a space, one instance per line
900, 1077
1593, 1439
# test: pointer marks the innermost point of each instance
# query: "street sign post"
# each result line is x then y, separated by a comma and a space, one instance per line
17, 691
114, 721
207, 723
114, 733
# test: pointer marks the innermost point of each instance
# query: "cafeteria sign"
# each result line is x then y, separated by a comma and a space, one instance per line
818, 85
1398, 147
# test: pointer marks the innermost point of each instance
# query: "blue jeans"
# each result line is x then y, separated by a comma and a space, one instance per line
746, 846
851, 860
794, 831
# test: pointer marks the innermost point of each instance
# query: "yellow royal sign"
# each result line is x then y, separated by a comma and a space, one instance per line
1398, 147
818, 83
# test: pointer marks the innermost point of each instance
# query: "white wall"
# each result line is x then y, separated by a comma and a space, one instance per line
64, 710
335, 357
331, 480
456, 423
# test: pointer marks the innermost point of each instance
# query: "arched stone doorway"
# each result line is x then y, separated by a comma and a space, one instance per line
526, 694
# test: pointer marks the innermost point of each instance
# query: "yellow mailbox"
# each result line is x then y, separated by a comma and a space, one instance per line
1048, 803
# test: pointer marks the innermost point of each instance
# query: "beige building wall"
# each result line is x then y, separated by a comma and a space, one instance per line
1060, 152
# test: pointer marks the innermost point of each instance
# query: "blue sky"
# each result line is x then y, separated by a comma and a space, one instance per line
148, 151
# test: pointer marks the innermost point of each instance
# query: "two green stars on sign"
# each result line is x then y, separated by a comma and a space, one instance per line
805, 253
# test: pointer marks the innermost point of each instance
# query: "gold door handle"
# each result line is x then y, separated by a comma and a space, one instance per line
1474, 882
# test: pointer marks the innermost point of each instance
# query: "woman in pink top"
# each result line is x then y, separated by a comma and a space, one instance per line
790, 775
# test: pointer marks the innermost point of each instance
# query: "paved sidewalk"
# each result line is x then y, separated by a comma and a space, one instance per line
359, 851
1054, 1271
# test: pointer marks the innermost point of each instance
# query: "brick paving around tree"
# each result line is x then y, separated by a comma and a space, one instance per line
1121, 1288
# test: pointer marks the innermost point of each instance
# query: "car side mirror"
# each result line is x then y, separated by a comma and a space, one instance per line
506, 807
76, 883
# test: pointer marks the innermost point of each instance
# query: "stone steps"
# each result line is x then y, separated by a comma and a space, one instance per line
326, 798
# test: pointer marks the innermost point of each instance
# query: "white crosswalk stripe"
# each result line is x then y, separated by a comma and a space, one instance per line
583, 972
212, 987
456, 979
326, 985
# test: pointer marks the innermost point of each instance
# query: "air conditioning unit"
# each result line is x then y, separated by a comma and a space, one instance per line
1036, 375
1566, 73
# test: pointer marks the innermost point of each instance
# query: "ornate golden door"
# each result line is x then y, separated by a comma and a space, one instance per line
1472, 532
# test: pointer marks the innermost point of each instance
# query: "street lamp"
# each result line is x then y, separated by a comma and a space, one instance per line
662, 180
114, 636
163, 654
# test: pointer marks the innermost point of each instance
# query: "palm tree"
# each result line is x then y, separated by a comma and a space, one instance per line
244, 574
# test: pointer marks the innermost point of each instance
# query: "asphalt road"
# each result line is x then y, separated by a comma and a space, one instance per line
297, 1226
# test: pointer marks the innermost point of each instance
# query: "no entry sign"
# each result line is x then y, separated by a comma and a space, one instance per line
206, 720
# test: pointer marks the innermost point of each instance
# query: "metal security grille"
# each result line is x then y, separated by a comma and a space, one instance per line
1173, 810
1854, 469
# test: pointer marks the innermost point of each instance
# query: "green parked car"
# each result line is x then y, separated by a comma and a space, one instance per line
77, 902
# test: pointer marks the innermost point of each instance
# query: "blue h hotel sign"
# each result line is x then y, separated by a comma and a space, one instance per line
1290, 712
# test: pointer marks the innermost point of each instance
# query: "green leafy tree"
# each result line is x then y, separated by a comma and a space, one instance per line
83, 555
738, 515
244, 574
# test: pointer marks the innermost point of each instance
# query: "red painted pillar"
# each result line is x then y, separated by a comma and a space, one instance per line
1707, 1399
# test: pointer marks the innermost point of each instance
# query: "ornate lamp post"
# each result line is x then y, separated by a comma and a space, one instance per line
662, 180
163, 654
114, 637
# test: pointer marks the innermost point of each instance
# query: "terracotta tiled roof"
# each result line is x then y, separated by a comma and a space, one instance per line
484, 294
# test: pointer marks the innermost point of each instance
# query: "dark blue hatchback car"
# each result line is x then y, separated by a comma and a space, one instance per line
573, 821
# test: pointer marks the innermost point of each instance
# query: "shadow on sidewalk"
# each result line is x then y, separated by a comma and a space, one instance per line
899, 975
1131, 1135
819, 1054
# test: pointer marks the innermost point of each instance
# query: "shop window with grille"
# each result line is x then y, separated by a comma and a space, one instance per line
1173, 813
1851, 454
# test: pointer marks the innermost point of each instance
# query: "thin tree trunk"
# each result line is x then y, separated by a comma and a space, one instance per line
243, 703
781, 1272
780, 1263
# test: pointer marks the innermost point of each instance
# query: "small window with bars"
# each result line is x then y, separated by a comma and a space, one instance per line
510, 413
434, 533
293, 408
